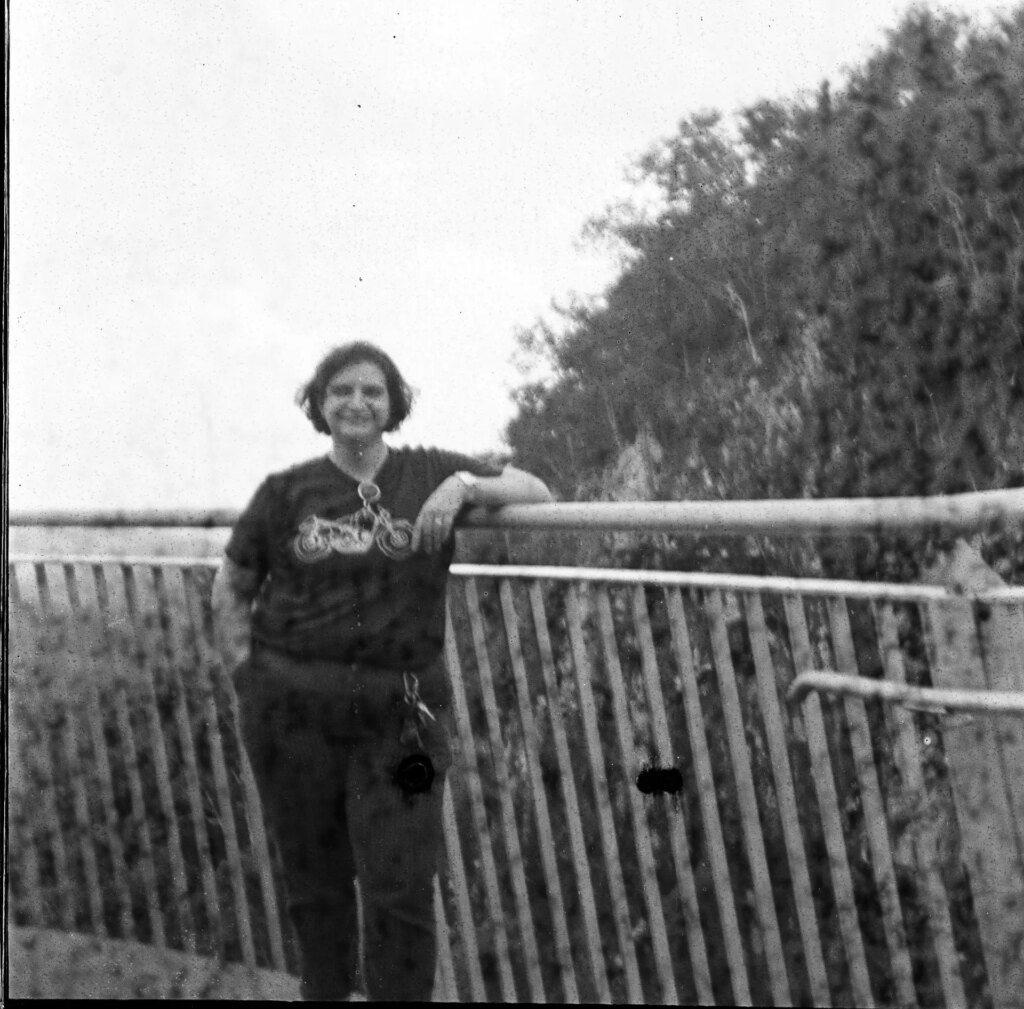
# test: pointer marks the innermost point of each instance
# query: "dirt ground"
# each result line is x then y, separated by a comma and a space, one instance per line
62, 965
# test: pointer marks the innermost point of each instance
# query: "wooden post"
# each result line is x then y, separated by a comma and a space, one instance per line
984, 650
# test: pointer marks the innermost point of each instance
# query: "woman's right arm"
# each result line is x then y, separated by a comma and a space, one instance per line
234, 589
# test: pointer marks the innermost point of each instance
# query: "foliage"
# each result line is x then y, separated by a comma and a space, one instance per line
828, 301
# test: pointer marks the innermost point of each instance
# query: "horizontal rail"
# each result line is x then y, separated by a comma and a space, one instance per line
887, 591
960, 512
928, 698
157, 518
741, 583
131, 560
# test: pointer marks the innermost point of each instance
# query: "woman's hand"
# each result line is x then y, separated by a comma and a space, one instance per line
436, 519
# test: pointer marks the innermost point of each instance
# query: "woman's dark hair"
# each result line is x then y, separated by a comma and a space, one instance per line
310, 396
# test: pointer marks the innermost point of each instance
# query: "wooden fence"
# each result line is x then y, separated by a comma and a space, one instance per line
638, 812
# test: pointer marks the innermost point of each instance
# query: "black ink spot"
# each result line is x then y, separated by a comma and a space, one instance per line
414, 774
655, 780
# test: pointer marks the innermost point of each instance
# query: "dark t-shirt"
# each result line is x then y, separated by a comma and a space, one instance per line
338, 578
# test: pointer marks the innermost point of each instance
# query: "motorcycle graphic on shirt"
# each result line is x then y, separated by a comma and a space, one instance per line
318, 538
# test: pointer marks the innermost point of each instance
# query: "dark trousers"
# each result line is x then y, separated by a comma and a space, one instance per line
324, 741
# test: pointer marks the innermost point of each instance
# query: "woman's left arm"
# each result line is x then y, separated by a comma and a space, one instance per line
512, 486
437, 516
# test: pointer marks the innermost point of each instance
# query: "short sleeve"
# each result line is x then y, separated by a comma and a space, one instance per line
249, 543
454, 462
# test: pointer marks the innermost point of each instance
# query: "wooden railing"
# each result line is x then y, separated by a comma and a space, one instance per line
955, 512
639, 813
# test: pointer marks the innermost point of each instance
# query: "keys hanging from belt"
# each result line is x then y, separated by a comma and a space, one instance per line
419, 714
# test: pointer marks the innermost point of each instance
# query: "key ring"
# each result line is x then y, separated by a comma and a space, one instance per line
412, 697
411, 725
369, 492
412, 688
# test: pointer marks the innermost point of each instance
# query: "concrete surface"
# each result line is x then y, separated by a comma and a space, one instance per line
65, 965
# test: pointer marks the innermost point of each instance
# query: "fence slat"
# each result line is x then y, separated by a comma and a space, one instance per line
983, 780
259, 842
109, 619
874, 810
71, 735
27, 586
689, 903
83, 822
63, 879
211, 665
527, 935
43, 593
210, 662
445, 988
768, 701
715, 841
641, 831
140, 817
828, 806
22, 721
563, 949
567, 783
1002, 643
764, 900
23, 854
25, 883
457, 875
908, 757
467, 745
101, 759
602, 799
130, 761
13, 585
186, 649
261, 848
200, 656
159, 663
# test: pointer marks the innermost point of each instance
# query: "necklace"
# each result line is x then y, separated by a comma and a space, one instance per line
360, 475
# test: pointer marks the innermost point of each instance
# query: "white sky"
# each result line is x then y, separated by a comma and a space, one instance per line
206, 196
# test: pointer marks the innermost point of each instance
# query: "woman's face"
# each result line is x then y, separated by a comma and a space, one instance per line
356, 404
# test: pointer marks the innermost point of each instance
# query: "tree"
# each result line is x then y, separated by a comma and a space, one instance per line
828, 300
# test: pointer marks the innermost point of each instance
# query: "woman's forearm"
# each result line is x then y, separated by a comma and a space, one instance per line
232, 615
513, 486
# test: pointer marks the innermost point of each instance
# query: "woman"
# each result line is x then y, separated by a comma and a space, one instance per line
330, 614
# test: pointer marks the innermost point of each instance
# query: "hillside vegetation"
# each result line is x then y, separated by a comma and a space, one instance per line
827, 302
